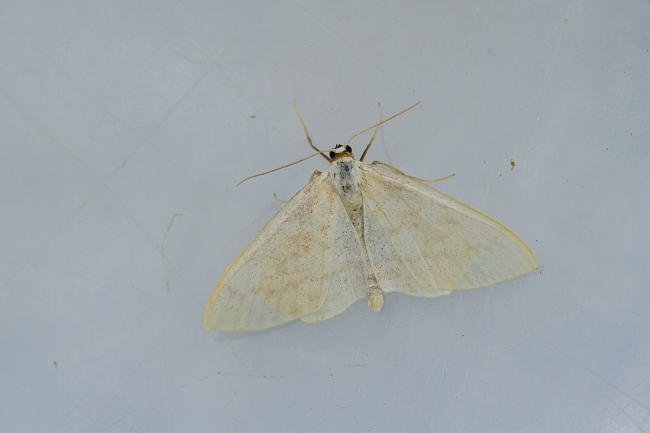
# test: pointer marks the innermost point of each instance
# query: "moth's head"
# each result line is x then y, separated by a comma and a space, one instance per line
341, 151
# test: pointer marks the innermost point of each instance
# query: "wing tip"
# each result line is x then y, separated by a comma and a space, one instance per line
208, 324
210, 307
209, 320
532, 259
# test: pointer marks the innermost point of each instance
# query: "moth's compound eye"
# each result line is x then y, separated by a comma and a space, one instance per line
348, 148
332, 154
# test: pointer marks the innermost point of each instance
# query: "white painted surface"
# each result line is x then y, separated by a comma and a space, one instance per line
114, 116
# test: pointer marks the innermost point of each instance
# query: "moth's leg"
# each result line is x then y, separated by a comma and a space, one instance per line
374, 134
438, 179
281, 200
419, 179
287, 200
307, 134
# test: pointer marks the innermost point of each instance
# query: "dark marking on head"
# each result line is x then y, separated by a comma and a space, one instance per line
340, 151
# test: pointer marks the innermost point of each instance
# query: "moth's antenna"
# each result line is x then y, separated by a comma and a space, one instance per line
374, 134
307, 134
281, 167
355, 135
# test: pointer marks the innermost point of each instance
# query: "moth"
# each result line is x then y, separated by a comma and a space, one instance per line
357, 231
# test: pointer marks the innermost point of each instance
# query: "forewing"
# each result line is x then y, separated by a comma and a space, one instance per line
292, 267
426, 243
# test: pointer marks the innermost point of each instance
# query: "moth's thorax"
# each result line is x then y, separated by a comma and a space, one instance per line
346, 178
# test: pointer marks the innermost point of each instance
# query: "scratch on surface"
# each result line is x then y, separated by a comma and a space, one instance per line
39, 126
163, 119
169, 396
213, 65
364, 59
119, 419
130, 374
349, 366
252, 375
28, 116
555, 38
630, 418
33, 257
195, 381
163, 256
5, 7
619, 390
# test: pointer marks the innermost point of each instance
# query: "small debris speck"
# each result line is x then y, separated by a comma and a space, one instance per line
513, 164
